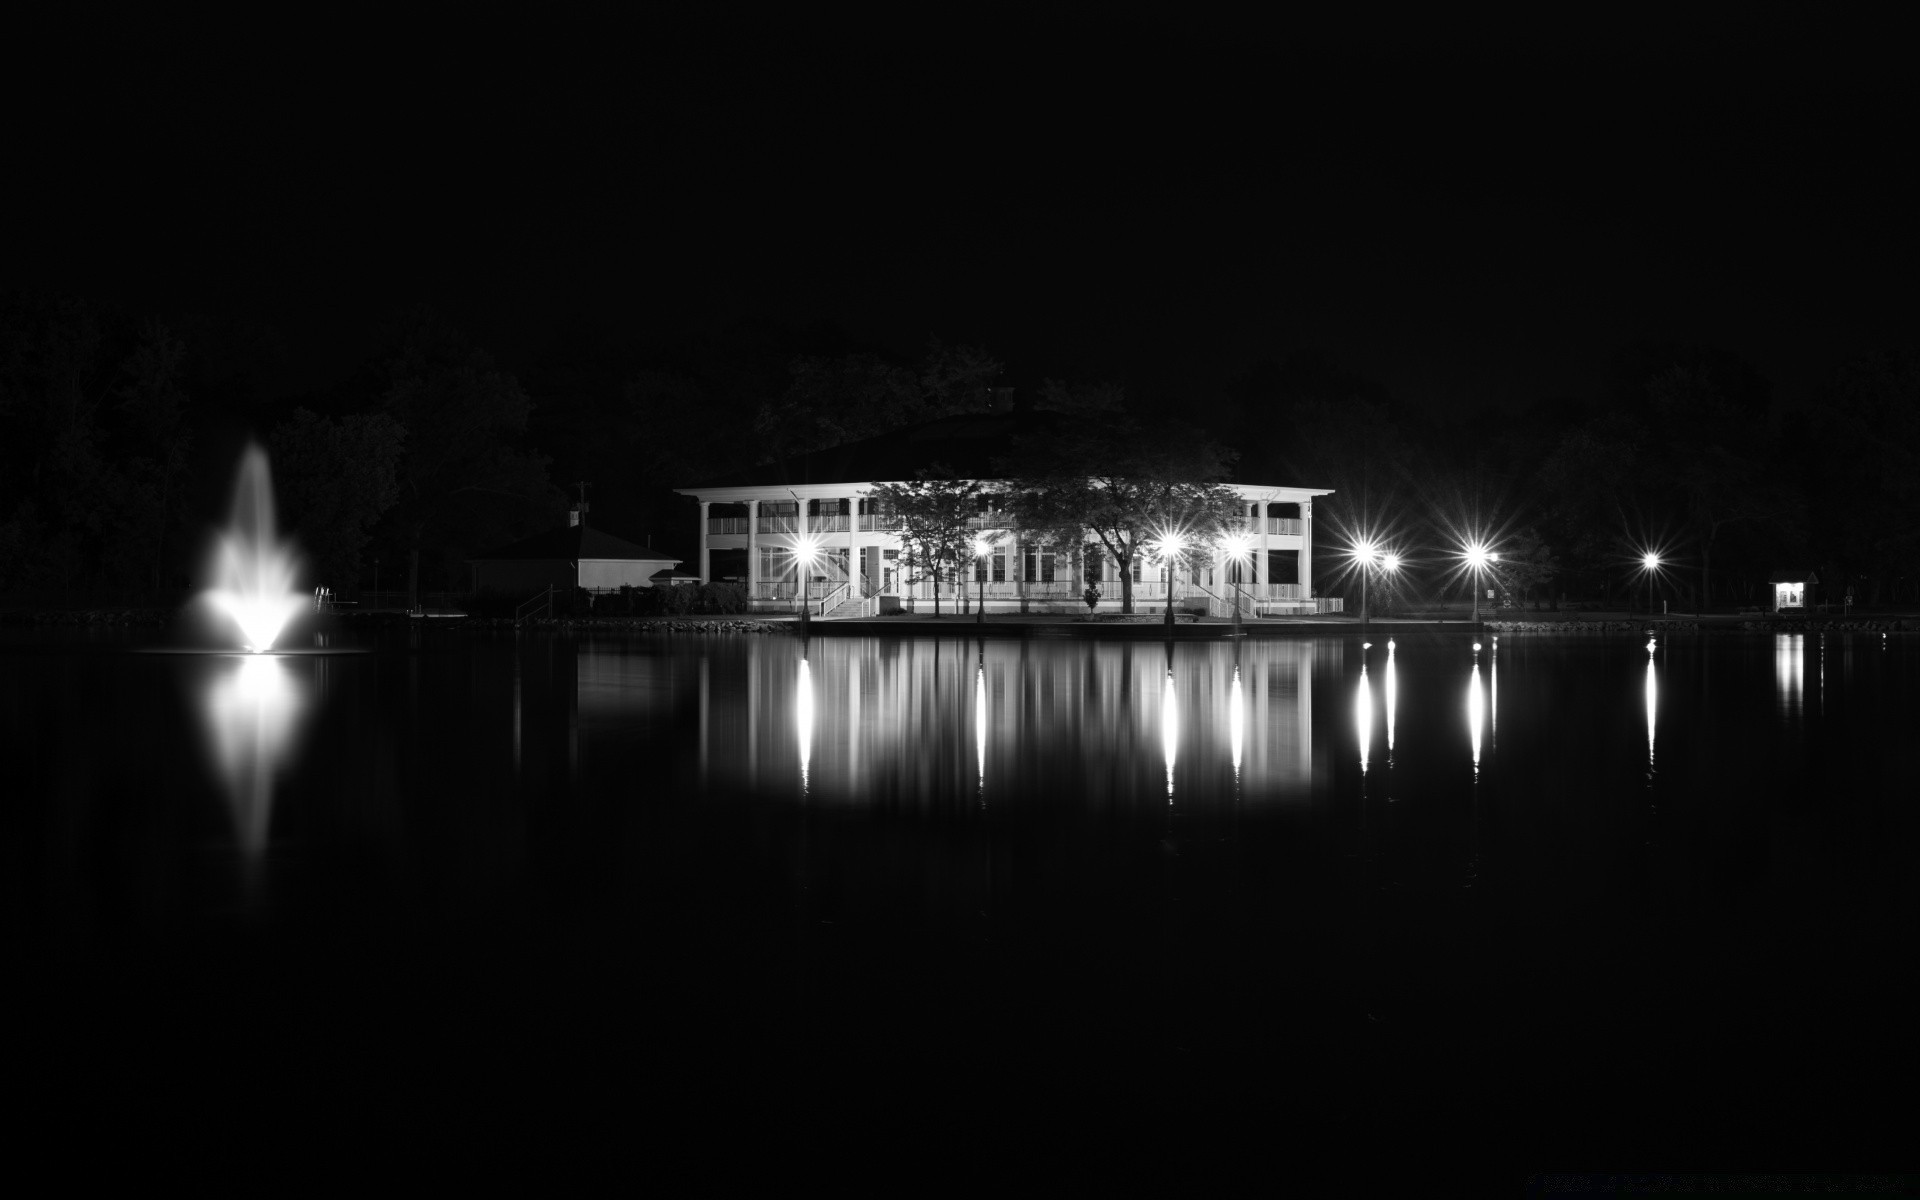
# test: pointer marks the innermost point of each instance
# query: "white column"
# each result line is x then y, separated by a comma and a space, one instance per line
1306, 549
753, 551
853, 547
706, 552
1264, 572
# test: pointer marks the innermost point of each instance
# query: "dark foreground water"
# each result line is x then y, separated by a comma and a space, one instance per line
742, 908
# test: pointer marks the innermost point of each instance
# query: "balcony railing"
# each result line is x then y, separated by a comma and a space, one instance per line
779, 523
878, 522
727, 524
1285, 526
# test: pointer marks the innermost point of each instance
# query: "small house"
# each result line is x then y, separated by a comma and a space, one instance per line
577, 556
1792, 590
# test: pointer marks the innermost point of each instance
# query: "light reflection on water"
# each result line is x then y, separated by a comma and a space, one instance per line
979, 724
252, 706
1476, 711
1789, 671
1363, 712
1169, 728
803, 720
863, 720
1653, 704
1237, 720
1392, 697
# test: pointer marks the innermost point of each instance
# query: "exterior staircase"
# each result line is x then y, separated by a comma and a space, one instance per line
854, 607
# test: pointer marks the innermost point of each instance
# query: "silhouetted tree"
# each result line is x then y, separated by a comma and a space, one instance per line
466, 480
933, 514
1125, 480
335, 478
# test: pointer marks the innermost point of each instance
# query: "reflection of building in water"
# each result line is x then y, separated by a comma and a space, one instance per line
1789, 670
927, 720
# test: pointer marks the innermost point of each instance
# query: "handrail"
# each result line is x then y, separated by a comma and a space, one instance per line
831, 597
543, 600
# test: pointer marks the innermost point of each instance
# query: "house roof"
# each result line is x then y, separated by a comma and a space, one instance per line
968, 443
1793, 577
572, 544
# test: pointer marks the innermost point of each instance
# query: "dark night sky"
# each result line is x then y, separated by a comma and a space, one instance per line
1473, 215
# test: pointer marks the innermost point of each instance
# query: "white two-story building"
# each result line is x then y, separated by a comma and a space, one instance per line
750, 526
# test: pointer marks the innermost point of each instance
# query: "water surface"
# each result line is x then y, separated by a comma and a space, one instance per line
1549, 896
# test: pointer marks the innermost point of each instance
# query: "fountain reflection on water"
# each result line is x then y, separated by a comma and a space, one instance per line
251, 710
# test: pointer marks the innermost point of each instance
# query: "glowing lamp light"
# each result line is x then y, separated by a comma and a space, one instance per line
1236, 545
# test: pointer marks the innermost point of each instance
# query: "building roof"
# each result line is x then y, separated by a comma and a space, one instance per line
969, 444
1793, 577
572, 544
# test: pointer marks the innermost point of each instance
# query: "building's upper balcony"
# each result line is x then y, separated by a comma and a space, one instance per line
790, 523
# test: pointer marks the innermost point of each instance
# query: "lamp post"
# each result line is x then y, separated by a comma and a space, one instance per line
1170, 544
805, 550
981, 548
1237, 546
1478, 556
1650, 564
1365, 553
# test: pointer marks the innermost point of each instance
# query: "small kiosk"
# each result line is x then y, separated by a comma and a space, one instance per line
1793, 590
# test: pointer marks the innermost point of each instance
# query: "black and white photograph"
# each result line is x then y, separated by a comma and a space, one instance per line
1053, 601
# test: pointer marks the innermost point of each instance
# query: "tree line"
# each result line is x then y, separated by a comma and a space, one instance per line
118, 435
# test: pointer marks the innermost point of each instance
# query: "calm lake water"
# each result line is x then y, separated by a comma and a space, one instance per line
1562, 903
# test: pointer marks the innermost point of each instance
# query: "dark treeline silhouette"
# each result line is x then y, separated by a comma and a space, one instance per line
118, 434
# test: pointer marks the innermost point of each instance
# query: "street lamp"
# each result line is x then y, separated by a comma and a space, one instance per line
981, 548
1366, 553
1170, 546
805, 551
1237, 546
1370, 558
1649, 564
1478, 558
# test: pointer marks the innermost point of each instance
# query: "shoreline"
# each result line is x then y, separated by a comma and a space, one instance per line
1024, 625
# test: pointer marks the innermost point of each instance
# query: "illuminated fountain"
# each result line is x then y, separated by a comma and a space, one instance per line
252, 569
252, 705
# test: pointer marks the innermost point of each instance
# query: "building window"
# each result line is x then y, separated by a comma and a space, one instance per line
999, 568
776, 563
1095, 558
